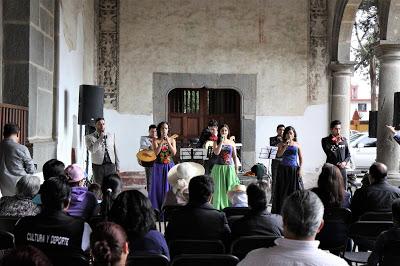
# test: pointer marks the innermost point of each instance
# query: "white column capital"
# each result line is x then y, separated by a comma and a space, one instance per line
387, 51
342, 68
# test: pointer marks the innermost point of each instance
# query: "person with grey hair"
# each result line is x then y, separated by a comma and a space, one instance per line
21, 204
302, 215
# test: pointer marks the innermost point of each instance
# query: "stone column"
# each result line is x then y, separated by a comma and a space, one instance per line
388, 151
340, 96
28, 65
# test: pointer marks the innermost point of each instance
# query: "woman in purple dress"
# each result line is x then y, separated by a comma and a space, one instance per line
288, 179
165, 149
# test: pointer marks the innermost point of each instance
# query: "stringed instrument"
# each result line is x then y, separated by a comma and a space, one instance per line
146, 157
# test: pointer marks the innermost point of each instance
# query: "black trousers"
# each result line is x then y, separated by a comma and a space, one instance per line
100, 171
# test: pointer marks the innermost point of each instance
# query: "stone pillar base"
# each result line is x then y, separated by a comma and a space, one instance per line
394, 179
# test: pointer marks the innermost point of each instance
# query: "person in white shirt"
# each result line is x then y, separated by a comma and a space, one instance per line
101, 145
302, 219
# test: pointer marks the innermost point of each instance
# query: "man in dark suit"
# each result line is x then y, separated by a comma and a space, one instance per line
378, 196
274, 141
206, 133
258, 221
336, 149
198, 219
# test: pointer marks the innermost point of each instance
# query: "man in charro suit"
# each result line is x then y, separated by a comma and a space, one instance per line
336, 149
101, 145
274, 141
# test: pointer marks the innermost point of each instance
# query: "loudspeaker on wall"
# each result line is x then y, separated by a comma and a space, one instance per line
91, 103
396, 111
373, 124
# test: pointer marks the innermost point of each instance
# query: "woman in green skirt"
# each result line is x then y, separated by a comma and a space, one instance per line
224, 171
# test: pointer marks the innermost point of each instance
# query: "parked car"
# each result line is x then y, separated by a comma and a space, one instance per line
362, 150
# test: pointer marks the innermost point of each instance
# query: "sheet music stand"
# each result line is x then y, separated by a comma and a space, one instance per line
188, 154
268, 152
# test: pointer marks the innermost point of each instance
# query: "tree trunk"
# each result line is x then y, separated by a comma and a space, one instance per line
374, 83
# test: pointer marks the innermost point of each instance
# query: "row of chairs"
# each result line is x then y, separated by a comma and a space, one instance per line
339, 229
184, 260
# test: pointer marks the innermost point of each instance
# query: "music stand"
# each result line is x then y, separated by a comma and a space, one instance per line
268, 152
187, 154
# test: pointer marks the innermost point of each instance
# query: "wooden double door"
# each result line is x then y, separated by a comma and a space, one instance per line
189, 111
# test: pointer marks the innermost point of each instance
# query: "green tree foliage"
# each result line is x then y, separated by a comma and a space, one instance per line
366, 31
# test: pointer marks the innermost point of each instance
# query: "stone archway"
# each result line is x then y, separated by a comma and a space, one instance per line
245, 84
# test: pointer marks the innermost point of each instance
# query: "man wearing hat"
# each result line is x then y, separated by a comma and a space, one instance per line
178, 178
83, 202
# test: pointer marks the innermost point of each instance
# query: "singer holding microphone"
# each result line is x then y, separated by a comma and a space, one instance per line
224, 171
336, 149
288, 179
165, 149
101, 145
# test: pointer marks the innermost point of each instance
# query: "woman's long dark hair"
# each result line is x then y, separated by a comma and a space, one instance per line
219, 132
330, 186
133, 211
287, 129
111, 187
159, 128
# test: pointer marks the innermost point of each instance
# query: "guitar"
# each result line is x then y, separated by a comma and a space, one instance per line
146, 157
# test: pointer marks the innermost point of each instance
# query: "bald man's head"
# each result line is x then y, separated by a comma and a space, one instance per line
377, 172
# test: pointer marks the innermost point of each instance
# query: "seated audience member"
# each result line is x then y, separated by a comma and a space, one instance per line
111, 188
109, 245
258, 221
26, 256
179, 177
51, 168
238, 197
96, 190
53, 231
396, 133
21, 204
385, 238
83, 202
133, 211
331, 189
302, 215
378, 196
198, 219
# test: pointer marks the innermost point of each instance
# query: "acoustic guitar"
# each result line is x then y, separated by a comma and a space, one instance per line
147, 157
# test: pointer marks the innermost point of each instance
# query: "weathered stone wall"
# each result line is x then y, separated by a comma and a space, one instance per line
76, 67
263, 37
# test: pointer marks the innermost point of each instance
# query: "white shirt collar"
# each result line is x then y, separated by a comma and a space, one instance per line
297, 244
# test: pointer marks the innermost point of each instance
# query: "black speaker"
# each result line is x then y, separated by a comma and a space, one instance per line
373, 124
396, 111
91, 102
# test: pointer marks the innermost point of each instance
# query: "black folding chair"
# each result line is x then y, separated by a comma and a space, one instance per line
147, 260
236, 211
7, 240
195, 246
205, 260
333, 236
243, 245
65, 258
391, 254
377, 216
157, 214
364, 232
7, 223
